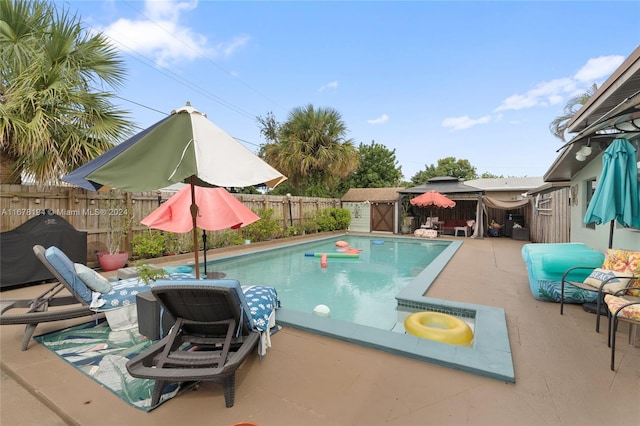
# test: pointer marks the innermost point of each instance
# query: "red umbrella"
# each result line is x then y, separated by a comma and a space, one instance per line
217, 209
434, 199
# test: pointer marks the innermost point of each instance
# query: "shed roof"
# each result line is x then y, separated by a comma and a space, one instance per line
371, 194
444, 185
507, 184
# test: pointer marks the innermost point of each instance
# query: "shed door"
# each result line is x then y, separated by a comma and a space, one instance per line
382, 217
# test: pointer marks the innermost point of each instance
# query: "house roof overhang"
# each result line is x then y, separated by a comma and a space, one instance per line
611, 97
450, 186
616, 101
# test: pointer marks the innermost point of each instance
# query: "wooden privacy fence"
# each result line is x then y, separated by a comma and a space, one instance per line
551, 217
93, 212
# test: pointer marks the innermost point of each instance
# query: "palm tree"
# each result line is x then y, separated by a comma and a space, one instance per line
55, 111
559, 125
311, 146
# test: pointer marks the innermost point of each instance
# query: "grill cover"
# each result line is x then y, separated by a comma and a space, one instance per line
19, 265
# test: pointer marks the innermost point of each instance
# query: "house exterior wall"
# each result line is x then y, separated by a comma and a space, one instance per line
598, 238
360, 216
505, 195
549, 217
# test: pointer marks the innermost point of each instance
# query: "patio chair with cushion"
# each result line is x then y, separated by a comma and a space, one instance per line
621, 309
620, 270
211, 338
90, 294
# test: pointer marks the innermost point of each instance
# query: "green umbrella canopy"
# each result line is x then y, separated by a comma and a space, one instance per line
616, 197
183, 145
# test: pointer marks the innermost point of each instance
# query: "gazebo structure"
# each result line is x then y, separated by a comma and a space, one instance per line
468, 200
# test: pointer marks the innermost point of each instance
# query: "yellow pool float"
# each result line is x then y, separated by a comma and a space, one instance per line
441, 327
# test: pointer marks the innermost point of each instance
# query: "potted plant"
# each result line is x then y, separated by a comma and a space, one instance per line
118, 223
150, 272
407, 222
406, 219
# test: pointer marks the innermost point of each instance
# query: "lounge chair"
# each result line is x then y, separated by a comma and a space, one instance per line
212, 336
31, 312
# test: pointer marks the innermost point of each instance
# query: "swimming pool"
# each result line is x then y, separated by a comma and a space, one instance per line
359, 289
489, 354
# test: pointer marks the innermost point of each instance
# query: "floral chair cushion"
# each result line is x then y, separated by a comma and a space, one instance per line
627, 261
614, 303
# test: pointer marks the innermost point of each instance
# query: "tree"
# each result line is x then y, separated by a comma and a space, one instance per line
487, 175
448, 166
378, 168
55, 111
310, 148
559, 125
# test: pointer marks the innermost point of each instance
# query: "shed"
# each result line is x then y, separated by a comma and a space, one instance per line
372, 209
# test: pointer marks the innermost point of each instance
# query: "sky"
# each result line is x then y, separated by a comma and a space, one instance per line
477, 80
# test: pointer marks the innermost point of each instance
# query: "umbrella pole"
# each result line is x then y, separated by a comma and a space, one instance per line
204, 252
611, 234
194, 215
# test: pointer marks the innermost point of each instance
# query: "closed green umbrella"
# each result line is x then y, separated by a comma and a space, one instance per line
183, 147
616, 197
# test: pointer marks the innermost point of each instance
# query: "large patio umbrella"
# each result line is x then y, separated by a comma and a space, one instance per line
183, 147
434, 199
221, 211
616, 197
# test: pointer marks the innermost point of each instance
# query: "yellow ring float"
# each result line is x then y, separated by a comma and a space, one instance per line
448, 329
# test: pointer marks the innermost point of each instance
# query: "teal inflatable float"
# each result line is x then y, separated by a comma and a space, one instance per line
546, 263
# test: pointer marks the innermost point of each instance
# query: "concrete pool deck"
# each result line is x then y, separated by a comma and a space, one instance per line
561, 367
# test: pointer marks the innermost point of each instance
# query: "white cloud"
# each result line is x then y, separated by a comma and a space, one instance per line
598, 68
330, 85
464, 122
160, 35
556, 91
543, 94
382, 119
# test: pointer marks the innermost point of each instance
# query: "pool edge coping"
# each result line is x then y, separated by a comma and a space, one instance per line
490, 355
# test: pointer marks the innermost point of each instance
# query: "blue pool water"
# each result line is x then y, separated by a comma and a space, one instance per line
360, 290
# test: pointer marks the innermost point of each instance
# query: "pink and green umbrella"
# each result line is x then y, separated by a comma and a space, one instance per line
184, 147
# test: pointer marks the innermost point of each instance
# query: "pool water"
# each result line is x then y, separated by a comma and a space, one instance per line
361, 290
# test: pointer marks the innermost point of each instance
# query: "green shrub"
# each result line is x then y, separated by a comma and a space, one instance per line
333, 219
149, 244
226, 239
342, 216
310, 223
264, 229
292, 231
178, 243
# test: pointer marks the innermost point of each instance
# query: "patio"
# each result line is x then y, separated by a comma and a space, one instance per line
561, 366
